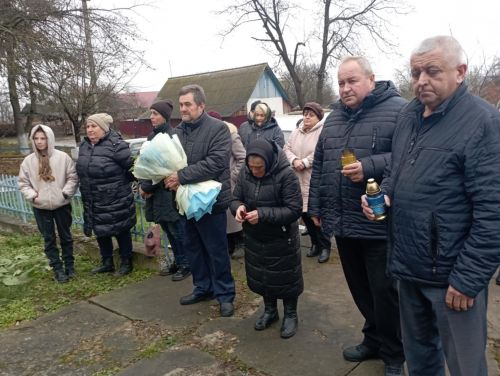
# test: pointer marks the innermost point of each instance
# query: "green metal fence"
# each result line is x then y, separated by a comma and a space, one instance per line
12, 203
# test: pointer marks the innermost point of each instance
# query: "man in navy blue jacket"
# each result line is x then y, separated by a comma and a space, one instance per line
363, 121
444, 240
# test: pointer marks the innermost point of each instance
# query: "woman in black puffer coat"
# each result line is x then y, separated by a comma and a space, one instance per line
267, 201
103, 166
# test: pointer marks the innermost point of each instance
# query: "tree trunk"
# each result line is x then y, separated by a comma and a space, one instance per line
22, 138
320, 87
33, 98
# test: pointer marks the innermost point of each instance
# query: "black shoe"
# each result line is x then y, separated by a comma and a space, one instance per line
394, 370
70, 271
182, 272
60, 276
359, 353
193, 299
125, 267
290, 320
107, 266
324, 256
313, 251
226, 309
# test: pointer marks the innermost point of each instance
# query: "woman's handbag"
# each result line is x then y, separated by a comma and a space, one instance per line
152, 241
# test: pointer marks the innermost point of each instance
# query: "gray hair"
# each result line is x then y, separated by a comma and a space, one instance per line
453, 51
362, 62
197, 91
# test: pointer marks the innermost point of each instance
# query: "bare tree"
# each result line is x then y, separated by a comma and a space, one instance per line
340, 29
484, 80
309, 76
49, 56
402, 80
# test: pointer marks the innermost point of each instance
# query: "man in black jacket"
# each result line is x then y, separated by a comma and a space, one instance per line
363, 121
207, 143
444, 187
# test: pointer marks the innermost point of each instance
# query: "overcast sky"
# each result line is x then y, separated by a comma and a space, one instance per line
182, 36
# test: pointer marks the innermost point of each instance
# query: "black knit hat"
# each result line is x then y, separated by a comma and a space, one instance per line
314, 107
263, 149
164, 108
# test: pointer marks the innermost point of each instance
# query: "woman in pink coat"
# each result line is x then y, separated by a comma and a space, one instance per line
300, 152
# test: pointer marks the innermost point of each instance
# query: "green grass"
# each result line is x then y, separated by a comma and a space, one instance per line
154, 348
41, 294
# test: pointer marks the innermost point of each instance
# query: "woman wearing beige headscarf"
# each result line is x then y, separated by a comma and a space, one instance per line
103, 166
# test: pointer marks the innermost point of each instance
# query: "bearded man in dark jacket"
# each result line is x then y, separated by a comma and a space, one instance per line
363, 122
444, 187
207, 144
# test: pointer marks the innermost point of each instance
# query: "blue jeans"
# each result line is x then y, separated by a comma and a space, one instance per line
433, 332
205, 244
45, 221
175, 233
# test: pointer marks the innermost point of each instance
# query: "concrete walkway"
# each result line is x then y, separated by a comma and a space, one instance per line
142, 330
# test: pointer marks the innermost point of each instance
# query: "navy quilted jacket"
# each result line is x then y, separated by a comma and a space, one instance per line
445, 189
368, 132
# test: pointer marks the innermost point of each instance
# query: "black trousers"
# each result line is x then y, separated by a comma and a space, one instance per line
318, 238
124, 240
364, 263
47, 221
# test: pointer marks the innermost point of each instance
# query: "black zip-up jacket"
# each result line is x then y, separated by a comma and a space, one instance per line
444, 183
270, 131
207, 144
368, 132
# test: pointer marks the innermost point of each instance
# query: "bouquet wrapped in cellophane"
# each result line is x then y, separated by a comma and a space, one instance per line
164, 155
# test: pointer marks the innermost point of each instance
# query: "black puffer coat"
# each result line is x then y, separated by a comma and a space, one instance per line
207, 144
161, 206
445, 189
103, 169
272, 246
270, 131
368, 132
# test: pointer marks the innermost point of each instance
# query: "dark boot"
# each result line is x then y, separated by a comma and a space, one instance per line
313, 252
290, 319
107, 266
269, 316
324, 256
125, 267
60, 276
70, 270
